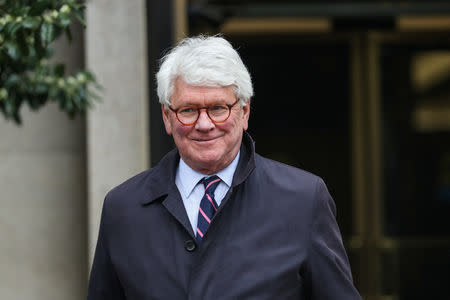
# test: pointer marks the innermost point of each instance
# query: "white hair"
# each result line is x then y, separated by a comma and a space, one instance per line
204, 61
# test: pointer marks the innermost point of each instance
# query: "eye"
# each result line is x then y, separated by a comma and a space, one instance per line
186, 110
218, 108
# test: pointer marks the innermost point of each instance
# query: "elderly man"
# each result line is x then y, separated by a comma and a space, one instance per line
214, 220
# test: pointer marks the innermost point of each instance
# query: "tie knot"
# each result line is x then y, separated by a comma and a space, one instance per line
211, 183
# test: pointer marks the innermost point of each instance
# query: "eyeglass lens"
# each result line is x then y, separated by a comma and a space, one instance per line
217, 113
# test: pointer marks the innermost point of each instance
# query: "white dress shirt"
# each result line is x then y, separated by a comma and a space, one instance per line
187, 181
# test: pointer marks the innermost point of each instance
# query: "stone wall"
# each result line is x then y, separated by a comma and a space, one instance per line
43, 219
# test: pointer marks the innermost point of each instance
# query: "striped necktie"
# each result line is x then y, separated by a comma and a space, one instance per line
208, 206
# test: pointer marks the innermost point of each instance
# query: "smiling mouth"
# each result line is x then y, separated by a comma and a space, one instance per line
204, 140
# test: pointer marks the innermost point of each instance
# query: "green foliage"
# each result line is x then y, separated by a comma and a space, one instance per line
27, 29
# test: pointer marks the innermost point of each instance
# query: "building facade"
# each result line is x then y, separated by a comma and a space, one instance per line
357, 93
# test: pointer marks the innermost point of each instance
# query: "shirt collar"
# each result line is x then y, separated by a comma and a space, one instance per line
189, 178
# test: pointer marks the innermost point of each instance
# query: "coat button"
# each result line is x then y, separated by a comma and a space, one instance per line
190, 245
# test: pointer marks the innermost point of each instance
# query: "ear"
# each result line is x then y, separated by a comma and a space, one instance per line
166, 119
246, 115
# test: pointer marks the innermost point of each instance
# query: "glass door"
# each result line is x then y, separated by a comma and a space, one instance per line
408, 191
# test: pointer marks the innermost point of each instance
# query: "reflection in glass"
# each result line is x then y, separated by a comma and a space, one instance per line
301, 108
416, 140
415, 110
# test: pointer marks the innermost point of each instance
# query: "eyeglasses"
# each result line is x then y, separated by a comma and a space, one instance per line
217, 112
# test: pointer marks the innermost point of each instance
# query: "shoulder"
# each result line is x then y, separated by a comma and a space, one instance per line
285, 183
133, 183
271, 168
131, 190
147, 185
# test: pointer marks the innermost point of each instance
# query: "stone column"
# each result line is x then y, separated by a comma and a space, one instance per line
117, 128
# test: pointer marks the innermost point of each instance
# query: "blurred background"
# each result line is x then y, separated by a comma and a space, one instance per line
357, 92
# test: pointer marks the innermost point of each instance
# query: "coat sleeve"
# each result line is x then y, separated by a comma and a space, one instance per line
328, 269
104, 283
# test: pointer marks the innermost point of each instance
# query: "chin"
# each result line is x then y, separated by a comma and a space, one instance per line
206, 163
209, 160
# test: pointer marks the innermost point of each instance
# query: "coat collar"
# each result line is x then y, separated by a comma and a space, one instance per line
161, 179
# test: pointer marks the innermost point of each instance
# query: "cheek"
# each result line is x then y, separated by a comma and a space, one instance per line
235, 126
181, 131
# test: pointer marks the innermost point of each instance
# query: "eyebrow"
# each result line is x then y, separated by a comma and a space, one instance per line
219, 100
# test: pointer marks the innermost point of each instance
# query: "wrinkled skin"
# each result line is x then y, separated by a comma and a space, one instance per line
206, 147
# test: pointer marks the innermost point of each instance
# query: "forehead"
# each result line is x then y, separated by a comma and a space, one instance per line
184, 93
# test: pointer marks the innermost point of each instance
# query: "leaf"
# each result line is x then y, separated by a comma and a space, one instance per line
53, 93
49, 52
11, 28
82, 92
40, 50
24, 10
22, 43
68, 33
47, 33
64, 19
32, 54
41, 89
59, 70
78, 6
94, 96
15, 113
17, 118
12, 80
77, 102
38, 7
80, 19
68, 104
9, 107
31, 22
33, 103
60, 99
89, 75
13, 50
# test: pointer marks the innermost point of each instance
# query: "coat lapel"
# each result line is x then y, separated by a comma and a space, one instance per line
161, 185
244, 168
174, 205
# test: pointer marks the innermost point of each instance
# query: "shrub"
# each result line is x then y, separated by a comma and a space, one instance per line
27, 29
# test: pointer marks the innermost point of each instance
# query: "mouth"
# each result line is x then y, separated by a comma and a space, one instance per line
204, 140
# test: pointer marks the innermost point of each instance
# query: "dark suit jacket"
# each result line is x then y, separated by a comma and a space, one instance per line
274, 237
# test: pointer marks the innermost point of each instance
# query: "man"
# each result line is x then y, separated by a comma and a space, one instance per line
214, 220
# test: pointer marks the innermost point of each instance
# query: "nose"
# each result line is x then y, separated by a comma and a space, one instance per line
204, 123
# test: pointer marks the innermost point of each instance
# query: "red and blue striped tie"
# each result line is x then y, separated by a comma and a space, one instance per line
208, 206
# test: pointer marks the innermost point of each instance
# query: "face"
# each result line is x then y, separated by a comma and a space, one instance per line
205, 146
